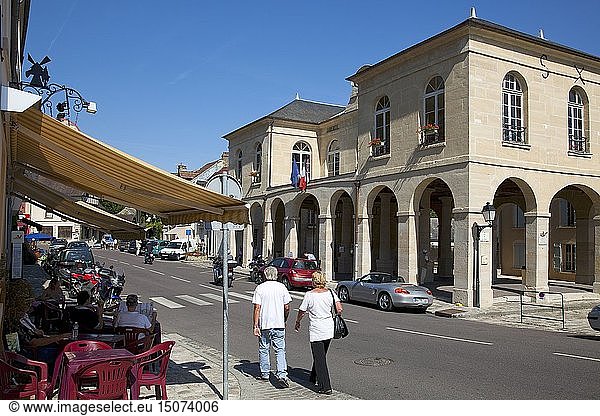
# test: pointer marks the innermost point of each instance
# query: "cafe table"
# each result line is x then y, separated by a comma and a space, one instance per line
111, 339
74, 360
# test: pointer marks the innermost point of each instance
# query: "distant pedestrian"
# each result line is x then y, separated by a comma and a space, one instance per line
424, 266
319, 303
271, 302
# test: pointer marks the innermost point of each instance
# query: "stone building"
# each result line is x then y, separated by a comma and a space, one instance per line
478, 113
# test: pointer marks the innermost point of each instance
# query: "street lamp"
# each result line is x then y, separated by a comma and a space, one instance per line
489, 214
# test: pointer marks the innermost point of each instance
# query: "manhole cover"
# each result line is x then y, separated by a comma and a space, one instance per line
373, 361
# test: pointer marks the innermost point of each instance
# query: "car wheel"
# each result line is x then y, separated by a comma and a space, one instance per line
384, 302
343, 294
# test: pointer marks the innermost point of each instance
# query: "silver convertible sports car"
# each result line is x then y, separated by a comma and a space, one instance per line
386, 291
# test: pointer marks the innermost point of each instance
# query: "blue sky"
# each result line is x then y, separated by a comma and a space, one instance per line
170, 78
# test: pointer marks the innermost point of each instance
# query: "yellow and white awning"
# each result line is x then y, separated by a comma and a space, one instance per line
45, 146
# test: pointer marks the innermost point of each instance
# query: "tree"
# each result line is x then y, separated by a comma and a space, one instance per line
110, 206
154, 227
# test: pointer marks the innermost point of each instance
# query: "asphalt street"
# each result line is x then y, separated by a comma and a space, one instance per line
388, 355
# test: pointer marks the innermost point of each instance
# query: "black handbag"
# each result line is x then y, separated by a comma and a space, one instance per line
340, 330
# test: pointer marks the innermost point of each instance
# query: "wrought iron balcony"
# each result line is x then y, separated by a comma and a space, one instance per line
579, 144
431, 138
513, 134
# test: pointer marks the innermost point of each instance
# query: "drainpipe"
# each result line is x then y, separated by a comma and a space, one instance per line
270, 151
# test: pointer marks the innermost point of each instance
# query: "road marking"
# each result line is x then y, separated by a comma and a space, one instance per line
350, 320
179, 278
139, 267
294, 296
576, 356
193, 300
239, 295
217, 297
211, 287
166, 302
440, 336
157, 272
123, 262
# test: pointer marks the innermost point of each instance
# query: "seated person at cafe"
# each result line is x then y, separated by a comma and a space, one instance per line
37, 345
88, 316
132, 317
53, 292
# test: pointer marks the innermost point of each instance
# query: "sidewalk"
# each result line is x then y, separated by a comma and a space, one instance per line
196, 373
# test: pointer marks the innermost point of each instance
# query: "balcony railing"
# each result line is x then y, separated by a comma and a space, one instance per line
512, 134
431, 138
578, 144
380, 149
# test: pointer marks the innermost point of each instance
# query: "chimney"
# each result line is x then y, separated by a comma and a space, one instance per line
180, 167
473, 13
542, 33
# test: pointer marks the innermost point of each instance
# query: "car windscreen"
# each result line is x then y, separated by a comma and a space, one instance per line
75, 255
174, 244
392, 279
305, 265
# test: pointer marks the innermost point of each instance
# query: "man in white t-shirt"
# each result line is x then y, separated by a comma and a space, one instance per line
271, 302
132, 317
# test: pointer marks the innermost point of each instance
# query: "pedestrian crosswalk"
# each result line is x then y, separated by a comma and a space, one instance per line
206, 299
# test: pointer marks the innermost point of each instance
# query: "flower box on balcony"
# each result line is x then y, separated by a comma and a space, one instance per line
375, 142
254, 173
429, 129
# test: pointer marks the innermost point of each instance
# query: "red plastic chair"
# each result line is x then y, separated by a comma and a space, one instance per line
137, 340
84, 345
18, 383
157, 356
110, 382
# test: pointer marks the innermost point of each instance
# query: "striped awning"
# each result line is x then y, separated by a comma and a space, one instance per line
80, 211
47, 147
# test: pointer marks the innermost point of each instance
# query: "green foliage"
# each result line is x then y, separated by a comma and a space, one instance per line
155, 227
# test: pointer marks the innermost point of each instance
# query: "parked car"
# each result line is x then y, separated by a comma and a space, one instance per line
123, 245
293, 272
69, 256
594, 318
108, 241
160, 244
134, 247
57, 244
176, 250
386, 291
78, 244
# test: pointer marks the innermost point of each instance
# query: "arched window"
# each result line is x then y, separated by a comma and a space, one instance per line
333, 158
238, 168
381, 142
301, 156
577, 141
256, 171
513, 126
433, 112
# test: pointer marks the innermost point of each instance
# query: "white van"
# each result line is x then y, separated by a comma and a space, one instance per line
177, 250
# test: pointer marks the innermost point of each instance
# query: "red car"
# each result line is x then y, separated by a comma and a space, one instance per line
294, 272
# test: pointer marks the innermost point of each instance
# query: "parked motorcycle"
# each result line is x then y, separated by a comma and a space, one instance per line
80, 278
218, 270
148, 257
110, 287
256, 265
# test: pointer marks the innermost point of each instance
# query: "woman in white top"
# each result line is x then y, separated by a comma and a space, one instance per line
319, 303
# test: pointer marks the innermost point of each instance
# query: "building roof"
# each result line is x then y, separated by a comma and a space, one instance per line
484, 24
300, 110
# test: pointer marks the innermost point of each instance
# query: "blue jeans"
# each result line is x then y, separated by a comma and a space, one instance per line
276, 338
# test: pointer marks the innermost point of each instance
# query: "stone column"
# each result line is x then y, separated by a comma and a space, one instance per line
464, 249
445, 262
363, 246
325, 245
291, 236
596, 236
248, 247
268, 241
537, 227
585, 251
384, 262
407, 246
424, 235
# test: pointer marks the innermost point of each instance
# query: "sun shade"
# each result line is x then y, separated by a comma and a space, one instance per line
52, 149
78, 210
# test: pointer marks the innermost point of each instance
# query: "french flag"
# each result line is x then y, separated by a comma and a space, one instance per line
303, 178
295, 176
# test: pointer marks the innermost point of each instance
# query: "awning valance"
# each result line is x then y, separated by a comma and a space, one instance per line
48, 147
78, 210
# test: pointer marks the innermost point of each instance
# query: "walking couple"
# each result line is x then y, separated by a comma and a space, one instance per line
271, 309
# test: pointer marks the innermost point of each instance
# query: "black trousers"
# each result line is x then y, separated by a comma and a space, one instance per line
319, 371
